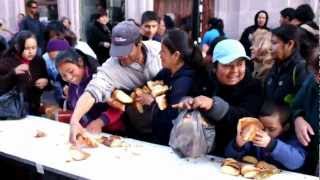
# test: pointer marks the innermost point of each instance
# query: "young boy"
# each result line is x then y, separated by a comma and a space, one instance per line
149, 26
274, 144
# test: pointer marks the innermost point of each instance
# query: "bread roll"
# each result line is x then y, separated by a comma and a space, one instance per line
248, 127
162, 102
78, 155
264, 166
121, 96
230, 170
249, 171
84, 140
250, 159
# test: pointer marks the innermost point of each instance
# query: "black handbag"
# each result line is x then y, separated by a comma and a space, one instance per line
12, 105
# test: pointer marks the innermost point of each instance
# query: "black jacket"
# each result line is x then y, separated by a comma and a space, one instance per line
26, 82
230, 104
97, 36
285, 79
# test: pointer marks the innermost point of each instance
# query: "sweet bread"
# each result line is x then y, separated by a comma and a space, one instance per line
157, 88
121, 96
78, 155
85, 141
249, 171
162, 102
248, 127
250, 159
230, 166
112, 141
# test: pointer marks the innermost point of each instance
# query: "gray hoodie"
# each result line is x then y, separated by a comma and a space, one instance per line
112, 75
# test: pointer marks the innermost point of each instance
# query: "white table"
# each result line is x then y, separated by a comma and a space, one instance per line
140, 160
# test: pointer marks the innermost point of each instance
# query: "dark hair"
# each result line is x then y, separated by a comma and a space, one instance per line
168, 21
216, 23
55, 28
256, 18
177, 40
214, 43
70, 36
286, 33
287, 12
101, 14
18, 42
149, 16
69, 56
269, 108
30, 2
308, 40
304, 13
65, 18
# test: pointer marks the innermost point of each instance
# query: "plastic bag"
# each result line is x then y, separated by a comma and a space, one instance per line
12, 105
191, 136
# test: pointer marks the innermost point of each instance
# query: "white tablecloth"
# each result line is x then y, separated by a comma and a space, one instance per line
140, 160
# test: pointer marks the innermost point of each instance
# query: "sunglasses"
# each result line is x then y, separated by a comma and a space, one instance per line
34, 7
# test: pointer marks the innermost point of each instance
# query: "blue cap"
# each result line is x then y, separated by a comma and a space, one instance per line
228, 50
123, 38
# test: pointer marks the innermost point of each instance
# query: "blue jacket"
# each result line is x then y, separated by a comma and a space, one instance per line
179, 86
284, 152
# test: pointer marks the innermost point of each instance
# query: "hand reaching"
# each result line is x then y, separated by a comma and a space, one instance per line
303, 130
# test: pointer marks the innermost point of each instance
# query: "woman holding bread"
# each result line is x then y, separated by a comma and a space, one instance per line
236, 94
180, 63
77, 69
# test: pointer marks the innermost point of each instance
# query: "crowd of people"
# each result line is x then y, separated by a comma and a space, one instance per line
271, 74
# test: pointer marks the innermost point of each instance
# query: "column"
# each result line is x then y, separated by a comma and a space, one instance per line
9, 11
134, 9
71, 9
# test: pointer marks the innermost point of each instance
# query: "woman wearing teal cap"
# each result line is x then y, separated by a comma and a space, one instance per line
236, 94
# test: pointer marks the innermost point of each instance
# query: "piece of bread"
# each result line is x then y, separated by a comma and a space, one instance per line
40, 134
230, 166
230, 170
78, 155
159, 90
248, 127
152, 84
249, 171
116, 104
250, 159
162, 102
264, 166
121, 96
84, 140
112, 141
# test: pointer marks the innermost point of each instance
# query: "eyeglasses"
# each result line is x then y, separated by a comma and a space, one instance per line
34, 7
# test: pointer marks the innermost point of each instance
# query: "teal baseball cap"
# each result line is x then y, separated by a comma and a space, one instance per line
228, 50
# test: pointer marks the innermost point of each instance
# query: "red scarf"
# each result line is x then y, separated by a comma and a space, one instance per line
25, 61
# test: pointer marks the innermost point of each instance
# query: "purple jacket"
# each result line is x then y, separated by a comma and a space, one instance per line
75, 91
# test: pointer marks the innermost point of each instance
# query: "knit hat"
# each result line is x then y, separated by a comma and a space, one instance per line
57, 45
